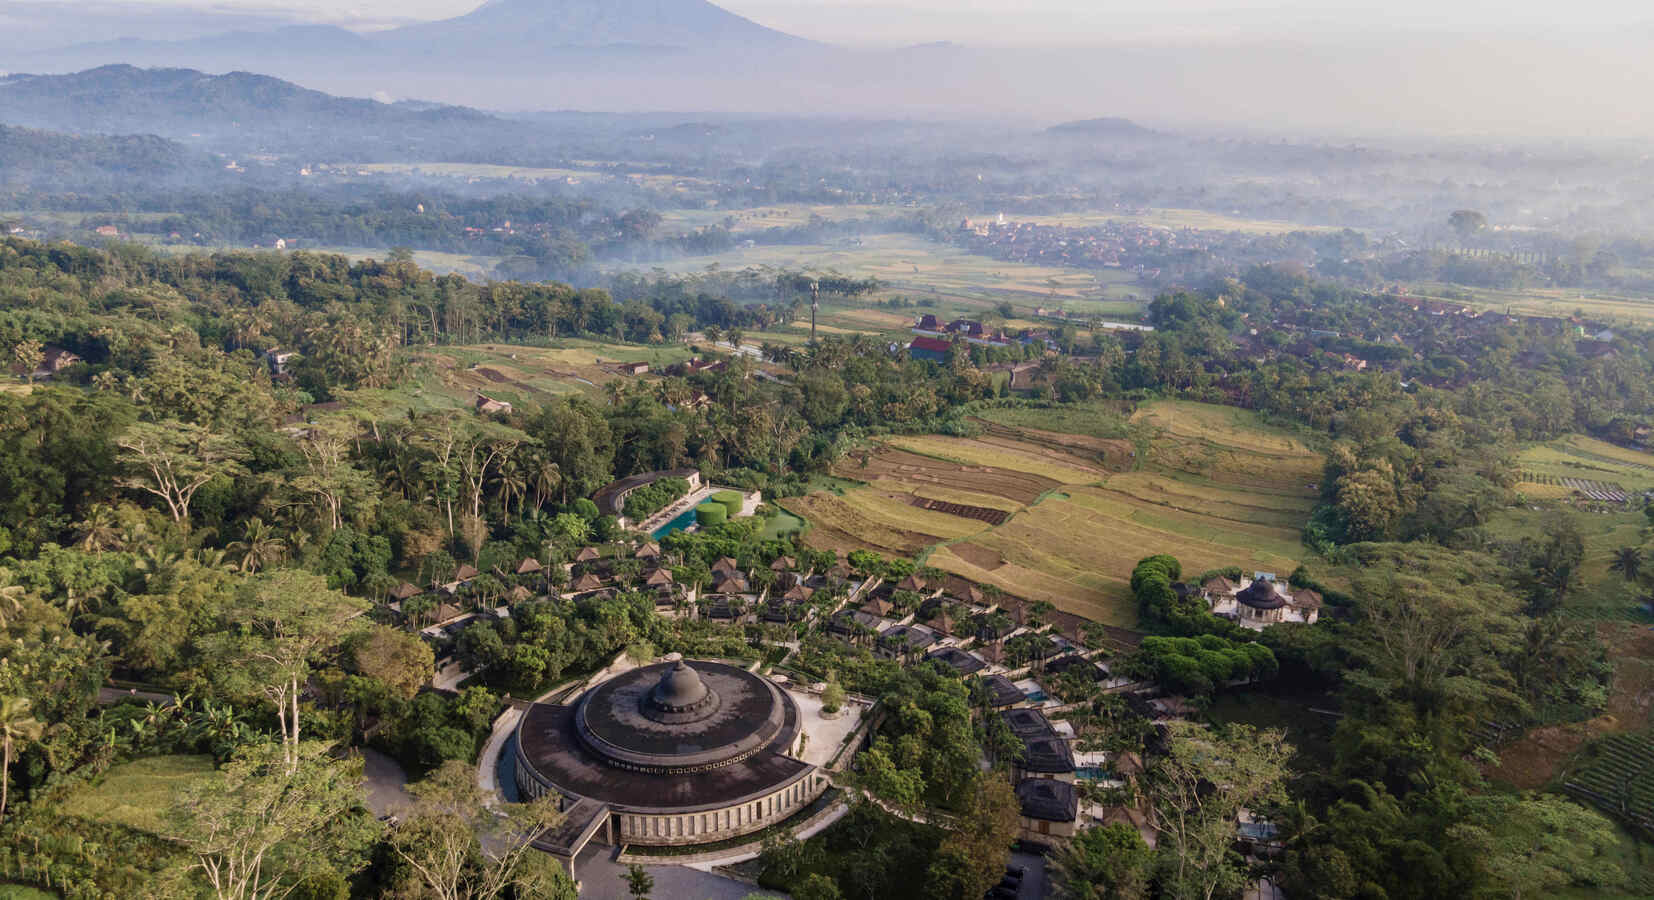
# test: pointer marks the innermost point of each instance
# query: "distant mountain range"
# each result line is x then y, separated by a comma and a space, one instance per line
1102, 128
551, 24
499, 33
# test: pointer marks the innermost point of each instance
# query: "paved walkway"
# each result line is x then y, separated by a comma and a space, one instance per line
386, 784
601, 878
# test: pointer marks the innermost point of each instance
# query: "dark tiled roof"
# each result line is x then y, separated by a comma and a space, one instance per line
1261, 594
1002, 691
1064, 664
1048, 800
1050, 756
958, 660
1028, 723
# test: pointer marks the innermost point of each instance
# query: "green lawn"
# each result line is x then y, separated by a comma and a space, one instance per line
136, 794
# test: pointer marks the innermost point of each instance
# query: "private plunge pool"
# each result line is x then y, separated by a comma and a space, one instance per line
680, 522
1093, 773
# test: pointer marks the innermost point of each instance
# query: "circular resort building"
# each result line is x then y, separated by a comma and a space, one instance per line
683, 752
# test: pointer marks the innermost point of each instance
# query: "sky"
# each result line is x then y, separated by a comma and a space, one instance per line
1030, 22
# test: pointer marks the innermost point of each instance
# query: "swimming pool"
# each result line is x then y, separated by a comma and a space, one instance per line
679, 523
1093, 773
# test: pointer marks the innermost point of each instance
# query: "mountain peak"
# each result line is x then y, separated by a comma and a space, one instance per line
688, 24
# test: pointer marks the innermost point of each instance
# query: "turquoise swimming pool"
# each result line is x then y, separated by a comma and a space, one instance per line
680, 522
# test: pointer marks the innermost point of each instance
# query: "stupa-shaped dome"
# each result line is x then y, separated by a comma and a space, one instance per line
680, 690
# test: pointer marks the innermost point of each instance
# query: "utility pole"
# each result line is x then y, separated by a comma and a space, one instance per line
815, 304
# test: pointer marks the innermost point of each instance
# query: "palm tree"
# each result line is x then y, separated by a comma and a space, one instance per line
17, 729
100, 532
258, 547
1628, 561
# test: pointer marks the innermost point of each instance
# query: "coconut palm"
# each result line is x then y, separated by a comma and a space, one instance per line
17, 729
101, 531
258, 547
1628, 561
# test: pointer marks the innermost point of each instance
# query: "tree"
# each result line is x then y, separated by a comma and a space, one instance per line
1467, 222
816, 887
27, 356
173, 460
1628, 561
270, 819
258, 547
972, 858
1538, 845
1107, 863
277, 625
832, 698
1197, 789
461, 849
402, 662
17, 729
639, 883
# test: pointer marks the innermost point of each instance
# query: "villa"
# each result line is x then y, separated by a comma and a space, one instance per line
1261, 601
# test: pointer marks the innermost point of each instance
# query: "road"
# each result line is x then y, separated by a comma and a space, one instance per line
601, 879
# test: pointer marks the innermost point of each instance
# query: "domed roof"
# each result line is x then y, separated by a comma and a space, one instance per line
679, 715
679, 690
1261, 594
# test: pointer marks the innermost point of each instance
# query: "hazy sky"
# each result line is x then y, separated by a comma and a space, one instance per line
1025, 22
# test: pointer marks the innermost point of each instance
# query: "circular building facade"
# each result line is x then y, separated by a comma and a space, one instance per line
682, 752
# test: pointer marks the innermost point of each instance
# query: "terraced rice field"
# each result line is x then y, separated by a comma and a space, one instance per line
1557, 469
1081, 519
1228, 445
1001, 453
1616, 775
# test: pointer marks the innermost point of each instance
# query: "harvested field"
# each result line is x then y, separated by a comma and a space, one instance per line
1053, 516
1021, 487
835, 525
1000, 453
980, 513
1112, 453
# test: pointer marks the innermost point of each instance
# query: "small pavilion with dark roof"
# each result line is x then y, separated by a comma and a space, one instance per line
1049, 809
1002, 691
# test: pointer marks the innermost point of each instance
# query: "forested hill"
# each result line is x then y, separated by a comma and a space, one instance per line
26, 153
189, 105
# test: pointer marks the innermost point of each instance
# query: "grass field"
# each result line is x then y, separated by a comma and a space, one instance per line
136, 794
915, 266
1585, 459
526, 377
1556, 303
1166, 218
520, 173
761, 218
1084, 512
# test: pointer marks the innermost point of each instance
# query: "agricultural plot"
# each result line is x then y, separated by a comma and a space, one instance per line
1166, 218
483, 171
1000, 453
1616, 775
1080, 518
1228, 446
1559, 303
913, 265
1596, 469
526, 377
137, 794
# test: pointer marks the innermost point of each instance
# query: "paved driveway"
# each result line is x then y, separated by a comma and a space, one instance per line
601, 879
385, 782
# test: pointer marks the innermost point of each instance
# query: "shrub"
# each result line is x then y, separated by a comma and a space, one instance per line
730, 500
652, 498
709, 514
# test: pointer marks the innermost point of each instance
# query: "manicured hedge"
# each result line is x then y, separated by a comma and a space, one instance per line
731, 500
645, 501
711, 514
